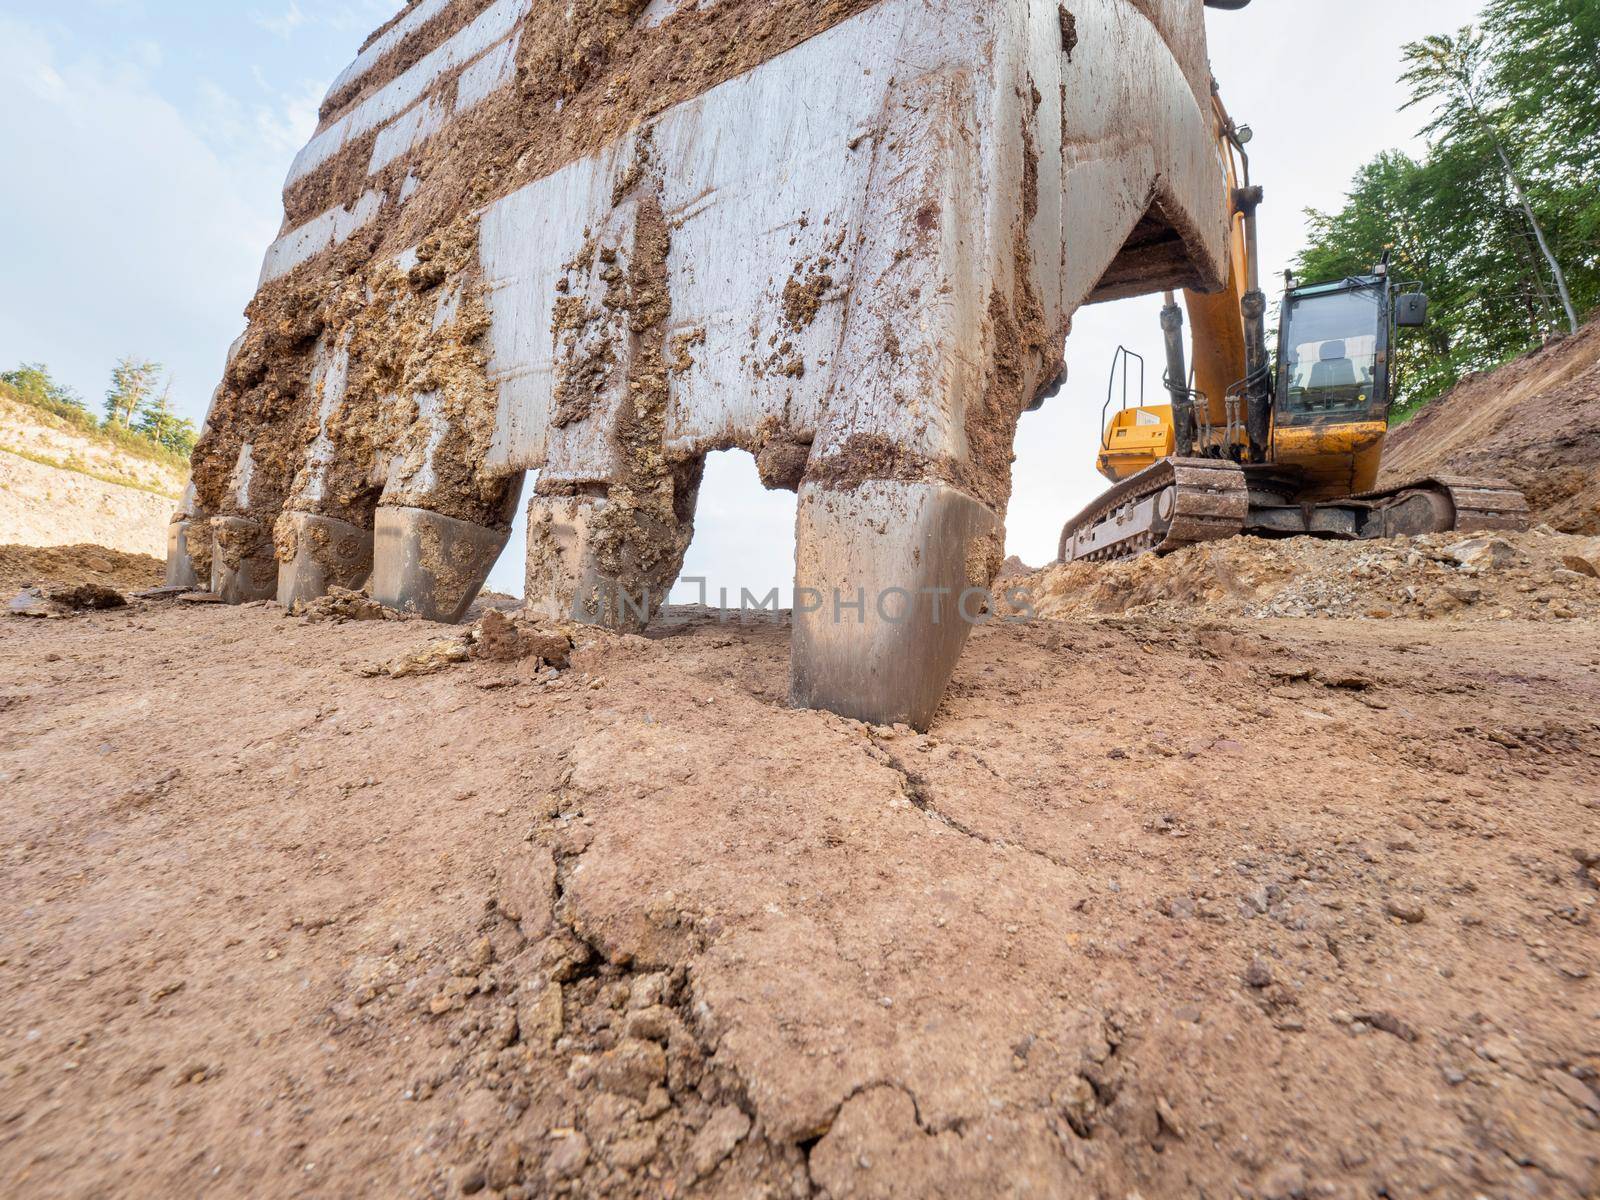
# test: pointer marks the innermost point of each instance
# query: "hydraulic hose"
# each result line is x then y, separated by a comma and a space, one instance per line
1177, 378
1253, 306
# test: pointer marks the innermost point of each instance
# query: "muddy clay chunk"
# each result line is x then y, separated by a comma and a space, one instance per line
1390, 1024
725, 1130
568, 1158
1408, 911
631, 1153
341, 605
499, 638
541, 1015
505, 1161
632, 1068
1286, 1182
652, 1024
436, 656
1258, 974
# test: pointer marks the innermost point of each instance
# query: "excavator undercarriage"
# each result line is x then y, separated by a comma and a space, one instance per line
1181, 501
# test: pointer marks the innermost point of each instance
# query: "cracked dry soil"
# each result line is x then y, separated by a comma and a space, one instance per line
1237, 908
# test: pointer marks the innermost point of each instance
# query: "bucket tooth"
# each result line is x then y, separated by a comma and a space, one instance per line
320, 552
244, 567
594, 561
890, 579
180, 563
430, 564
564, 581
181, 568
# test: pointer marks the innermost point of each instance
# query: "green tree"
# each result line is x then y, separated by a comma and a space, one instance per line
161, 425
1500, 219
1385, 211
1545, 63
33, 381
133, 382
1455, 72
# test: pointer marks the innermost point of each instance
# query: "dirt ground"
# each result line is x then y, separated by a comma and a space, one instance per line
1170, 903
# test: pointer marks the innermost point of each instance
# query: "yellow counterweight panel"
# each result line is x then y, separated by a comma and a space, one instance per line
1136, 438
1337, 460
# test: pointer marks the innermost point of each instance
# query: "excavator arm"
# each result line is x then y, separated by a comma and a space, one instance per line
1223, 366
1223, 410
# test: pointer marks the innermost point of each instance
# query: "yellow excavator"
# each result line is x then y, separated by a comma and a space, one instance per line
1273, 449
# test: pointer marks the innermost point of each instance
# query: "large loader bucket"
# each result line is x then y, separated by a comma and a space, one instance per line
597, 241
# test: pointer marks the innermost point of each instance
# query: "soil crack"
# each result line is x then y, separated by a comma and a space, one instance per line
917, 791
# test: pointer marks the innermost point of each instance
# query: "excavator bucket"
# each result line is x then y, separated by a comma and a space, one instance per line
596, 241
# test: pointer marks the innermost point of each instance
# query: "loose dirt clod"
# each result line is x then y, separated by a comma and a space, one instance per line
342, 604
64, 601
499, 638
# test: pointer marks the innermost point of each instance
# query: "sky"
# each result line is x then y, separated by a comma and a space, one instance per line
145, 143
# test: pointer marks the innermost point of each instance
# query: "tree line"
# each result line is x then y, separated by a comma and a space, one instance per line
1500, 218
137, 409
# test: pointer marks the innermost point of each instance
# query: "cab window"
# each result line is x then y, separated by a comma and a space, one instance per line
1330, 344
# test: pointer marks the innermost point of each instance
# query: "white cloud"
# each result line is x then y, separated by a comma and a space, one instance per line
284, 24
140, 236
148, 54
288, 123
365, 15
263, 133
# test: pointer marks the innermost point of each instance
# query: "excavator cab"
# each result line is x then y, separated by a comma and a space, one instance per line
1331, 399
1333, 350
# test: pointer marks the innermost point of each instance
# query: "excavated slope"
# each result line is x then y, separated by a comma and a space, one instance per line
1535, 421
